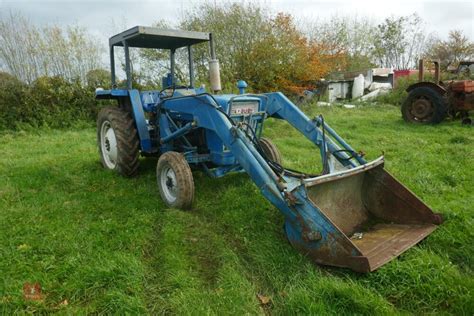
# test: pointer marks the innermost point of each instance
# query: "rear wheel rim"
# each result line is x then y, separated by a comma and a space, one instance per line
421, 110
169, 184
108, 145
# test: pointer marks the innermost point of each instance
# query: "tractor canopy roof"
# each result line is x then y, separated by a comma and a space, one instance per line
152, 37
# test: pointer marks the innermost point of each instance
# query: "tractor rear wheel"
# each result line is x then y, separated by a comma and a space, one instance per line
424, 106
175, 180
270, 150
117, 140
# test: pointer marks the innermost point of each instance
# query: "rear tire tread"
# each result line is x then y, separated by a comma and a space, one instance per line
128, 145
438, 102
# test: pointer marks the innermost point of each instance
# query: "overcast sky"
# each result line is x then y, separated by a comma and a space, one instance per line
104, 17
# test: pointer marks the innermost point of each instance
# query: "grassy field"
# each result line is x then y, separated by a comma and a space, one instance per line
99, 243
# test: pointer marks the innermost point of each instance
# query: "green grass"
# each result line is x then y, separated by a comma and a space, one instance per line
107, 244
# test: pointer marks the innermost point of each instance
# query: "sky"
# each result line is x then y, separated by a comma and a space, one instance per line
104, 18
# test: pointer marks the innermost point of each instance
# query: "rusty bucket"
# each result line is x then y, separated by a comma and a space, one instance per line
377, 217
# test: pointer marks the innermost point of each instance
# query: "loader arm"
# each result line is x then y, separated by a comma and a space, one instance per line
322, 213
280, 107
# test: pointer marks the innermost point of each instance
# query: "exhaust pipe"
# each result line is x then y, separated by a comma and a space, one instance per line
214, 68
215, 75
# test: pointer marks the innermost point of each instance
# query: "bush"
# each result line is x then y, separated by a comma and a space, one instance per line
98, 78
11, 99
399, 93
48, 101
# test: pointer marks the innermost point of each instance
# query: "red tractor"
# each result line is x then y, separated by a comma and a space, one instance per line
430, 102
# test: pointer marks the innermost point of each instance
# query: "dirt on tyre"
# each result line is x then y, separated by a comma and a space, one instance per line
118, 143
424, 106
175, 180
270, 150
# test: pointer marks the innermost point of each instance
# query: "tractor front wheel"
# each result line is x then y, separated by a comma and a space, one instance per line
175, 180
424, 106
117, 140
270, 150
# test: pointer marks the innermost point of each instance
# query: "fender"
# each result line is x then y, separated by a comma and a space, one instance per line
426, 84
133, 96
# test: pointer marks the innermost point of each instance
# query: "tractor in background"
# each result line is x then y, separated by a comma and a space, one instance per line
352, 214
431, 102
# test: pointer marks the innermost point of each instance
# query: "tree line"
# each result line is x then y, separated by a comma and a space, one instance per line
29, 52
269, 51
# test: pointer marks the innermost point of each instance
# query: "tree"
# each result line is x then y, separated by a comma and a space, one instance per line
351, 38
399, 42
270, 52
293, 62
236, 29
96, 78
28, 52
451, 51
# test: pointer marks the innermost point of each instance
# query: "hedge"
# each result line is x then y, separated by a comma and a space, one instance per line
49, 101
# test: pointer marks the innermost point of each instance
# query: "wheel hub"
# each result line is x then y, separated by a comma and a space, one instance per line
108, 143
421, 109
169, 184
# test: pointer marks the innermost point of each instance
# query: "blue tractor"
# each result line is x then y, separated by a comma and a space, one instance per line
353, 214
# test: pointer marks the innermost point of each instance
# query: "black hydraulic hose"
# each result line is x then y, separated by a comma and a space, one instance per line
325, 157
279, 169
352, 154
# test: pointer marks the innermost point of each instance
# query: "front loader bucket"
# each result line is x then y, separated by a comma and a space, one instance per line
374, 218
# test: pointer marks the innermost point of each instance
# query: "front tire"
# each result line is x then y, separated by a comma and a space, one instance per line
117, 140
424, 106
270, 150
175, 180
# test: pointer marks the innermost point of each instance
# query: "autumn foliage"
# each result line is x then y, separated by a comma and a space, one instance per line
287, 60
269, 52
